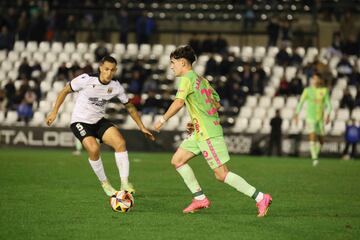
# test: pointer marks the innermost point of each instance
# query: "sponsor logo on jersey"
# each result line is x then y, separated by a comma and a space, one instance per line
109, 90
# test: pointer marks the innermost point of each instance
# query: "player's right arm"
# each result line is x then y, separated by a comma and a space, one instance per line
300, 104
59, 100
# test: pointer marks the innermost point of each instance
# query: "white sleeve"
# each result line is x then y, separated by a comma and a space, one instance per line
79, 82
122, 95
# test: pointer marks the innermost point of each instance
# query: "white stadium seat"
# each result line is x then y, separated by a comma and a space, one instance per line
343, 114
251, 101
278, 102
11, 118
44, 47
259, 113
240, 124
31, 46
38, 119
254, 125
82, 47
338, 128
69, 47
264, 102
19, 46
56, 47
245, 112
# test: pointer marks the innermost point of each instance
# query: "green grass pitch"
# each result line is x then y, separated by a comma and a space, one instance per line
50, 194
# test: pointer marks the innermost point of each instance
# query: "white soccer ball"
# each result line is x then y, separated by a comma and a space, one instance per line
121, 201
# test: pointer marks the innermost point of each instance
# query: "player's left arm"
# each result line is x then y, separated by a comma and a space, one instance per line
328, 107
135, 116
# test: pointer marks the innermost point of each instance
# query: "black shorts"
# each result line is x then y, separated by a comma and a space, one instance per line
97, 130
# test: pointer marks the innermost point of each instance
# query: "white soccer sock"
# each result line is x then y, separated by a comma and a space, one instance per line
98, 169
239, 184
122, 162
190, 180
259, 197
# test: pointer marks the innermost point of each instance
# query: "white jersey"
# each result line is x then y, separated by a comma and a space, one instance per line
93, 96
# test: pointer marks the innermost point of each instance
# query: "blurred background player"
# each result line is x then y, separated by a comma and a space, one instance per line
88, 122
352, 137
202, 103
317, 99
78, 147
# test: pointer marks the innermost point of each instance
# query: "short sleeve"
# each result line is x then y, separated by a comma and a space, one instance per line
122, 95
79, 82
184, 88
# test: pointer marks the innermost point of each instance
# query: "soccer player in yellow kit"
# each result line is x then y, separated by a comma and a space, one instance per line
202, 103
317, 98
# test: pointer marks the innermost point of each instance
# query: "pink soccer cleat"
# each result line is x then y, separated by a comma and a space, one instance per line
196, 205
263, 205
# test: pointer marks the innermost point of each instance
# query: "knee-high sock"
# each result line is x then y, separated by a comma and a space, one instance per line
318, 149
98, 169
240, 184
313, 150
122, 162
190, 180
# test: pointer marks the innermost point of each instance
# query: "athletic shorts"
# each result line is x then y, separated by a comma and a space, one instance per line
213, 149
316, 127
97, 130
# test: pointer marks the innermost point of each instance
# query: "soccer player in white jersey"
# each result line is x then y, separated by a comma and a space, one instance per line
88, 122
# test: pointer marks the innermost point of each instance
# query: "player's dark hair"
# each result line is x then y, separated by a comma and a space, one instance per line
184, 52
108, 58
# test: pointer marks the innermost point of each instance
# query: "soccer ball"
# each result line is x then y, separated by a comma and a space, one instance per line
121, 201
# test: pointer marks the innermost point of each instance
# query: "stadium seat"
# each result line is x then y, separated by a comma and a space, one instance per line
356, 114
278, 71
272, 51
292, 102
119, 48
147, 119
241, 124
287, 113
264, 102
11, 118
44, 47
129, 123
51, 57
38, 119
278, 102
64, 57
145, 50
235, 50
56, 47
254, 125
260, 113
157, 50
246, 53
168, 49
290, 73
300, 51
338, 128
58, 86
171, 124
69, 47
76, 57
31, 46
6, 66
266, 128
89, 57
251, 101
19, 46
39, 56
268, 62
343, 114
245, 112
63, 120
183, 122
132, 49
13, 56
2, 117
82, 47
45, 106
285, 125
259, 53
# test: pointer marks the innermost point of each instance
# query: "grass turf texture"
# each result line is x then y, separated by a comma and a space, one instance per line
50, 194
